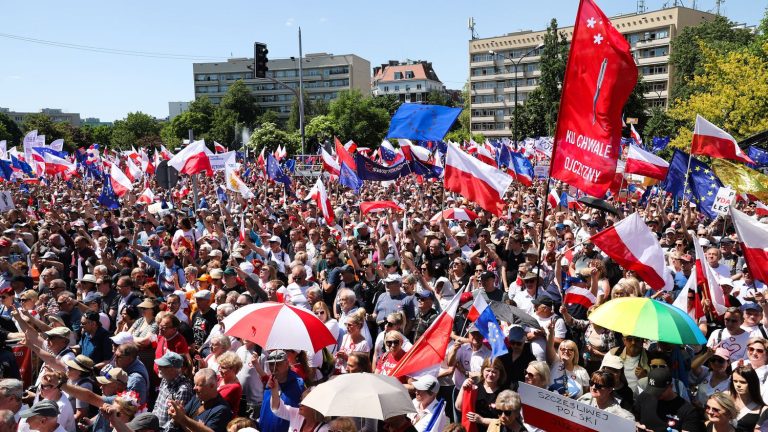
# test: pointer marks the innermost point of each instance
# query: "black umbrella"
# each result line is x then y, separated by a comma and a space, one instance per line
513, 314
598, 204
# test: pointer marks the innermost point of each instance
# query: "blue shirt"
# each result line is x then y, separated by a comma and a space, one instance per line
165, 274
290, 393
214, 414
97, 347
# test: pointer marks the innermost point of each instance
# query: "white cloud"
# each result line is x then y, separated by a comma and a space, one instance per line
290, 22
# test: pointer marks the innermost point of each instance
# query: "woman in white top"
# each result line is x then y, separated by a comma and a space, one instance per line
564, 366
715, 377
354, 340
301, 419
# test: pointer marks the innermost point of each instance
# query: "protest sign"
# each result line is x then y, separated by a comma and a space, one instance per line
554, 412
723, 200
6, 201
221, 160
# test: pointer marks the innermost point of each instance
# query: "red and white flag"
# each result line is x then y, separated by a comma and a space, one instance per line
475, 180
487, 154
218, 148
241, 236
707, 281
193, 159
710, 140
553, 199
165, 153
600, 75
146, 165
761, 209
645, 163
120, 182
134, 172
429, 350
753, 239
378, 206
55, 165
261, 162
635, 136
320, 196
147, 197
635, 247
330, 164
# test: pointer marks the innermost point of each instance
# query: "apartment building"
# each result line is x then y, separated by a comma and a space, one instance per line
493, 75
410, 81
56, 115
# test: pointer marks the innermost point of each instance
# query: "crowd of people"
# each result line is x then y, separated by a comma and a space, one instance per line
124, 310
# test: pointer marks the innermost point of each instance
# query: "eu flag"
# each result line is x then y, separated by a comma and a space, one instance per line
221, 195
659, 143
760, 156
422, 122
702, 184
348, 177
276, 173
23, 166
108, 198
675, 181
504, 157
488, 326
5, 169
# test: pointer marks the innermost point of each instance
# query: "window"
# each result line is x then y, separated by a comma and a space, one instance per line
653, 69
409, 74
386, 88
418, 86
397, 88
398, 75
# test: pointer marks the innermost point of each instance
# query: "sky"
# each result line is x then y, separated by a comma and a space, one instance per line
101, 84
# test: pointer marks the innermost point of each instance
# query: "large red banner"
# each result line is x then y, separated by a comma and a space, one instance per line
600, 76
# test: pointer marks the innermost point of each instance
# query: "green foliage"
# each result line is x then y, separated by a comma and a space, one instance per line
461, 135
43, 124
320, 128
12, 132
686, 57
268, 116
242, 102
223, 126
390, 103
358, 119
637, 107
292, 124
436, 97
268, 137
100, 134
133, 127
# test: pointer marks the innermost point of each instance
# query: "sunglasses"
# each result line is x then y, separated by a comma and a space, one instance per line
633, 339
597, 386
658, 366
507, 413
756, 350
710, 408
390, 324
392, 343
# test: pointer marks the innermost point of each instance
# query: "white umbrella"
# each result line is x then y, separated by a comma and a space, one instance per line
360, 395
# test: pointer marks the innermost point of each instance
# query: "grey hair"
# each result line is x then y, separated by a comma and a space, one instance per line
209, 375
347, 293
509, 400
226, 308
7, 418
11, 387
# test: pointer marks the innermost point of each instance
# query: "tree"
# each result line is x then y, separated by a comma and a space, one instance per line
223, 126
686, 58
100, 134
437, 97
731, 92
268, 137
242, 102
293, 118
659, 124
12, 131
358, 119
43, 124
637, 107
320, 128
390, 103
134, 126
268, 116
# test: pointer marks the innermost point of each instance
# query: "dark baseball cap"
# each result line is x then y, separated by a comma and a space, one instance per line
658, 381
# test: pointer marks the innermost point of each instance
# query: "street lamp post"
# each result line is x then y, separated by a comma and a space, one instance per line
516, 64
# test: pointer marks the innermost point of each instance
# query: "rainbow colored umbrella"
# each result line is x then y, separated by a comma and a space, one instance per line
648, 319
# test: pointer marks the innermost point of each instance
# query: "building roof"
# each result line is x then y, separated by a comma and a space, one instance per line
421, 71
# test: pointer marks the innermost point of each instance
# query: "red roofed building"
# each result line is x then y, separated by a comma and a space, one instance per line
411, 81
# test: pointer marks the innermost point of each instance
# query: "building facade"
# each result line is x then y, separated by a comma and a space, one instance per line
176, 108
55, 114
324, 76
492, 75
410, 81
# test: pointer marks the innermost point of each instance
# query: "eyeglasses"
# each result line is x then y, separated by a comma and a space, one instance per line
732, 320
567, 350
46, 387
530, 374
392, 342
756, 350
507, 413
710, 408
658, 366
597, 386
320, 312
389, 324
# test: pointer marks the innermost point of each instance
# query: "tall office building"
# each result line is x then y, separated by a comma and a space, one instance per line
492, 75
324, 76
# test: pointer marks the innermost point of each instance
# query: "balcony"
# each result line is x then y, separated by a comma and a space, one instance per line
656, 77
482, 119
652, 60
484, 91
652, 43
488, 105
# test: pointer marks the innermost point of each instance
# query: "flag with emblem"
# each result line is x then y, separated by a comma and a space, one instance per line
600, 75
488, 326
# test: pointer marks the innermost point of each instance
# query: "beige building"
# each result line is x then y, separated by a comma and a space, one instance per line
56, 115
410, 81
325, 75
492, 76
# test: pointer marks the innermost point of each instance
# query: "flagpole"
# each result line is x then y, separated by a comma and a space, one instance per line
543, 221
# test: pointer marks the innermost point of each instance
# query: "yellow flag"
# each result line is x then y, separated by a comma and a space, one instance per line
741, 178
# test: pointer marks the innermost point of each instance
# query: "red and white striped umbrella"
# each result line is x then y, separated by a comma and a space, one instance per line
279, 326
455, 214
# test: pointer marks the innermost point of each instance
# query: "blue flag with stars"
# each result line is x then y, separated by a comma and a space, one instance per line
488, 326
5, 169
276, 173
108, 198
659, 143
760, 156
422, 122
701, 187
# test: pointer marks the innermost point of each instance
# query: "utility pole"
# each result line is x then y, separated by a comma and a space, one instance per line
301, 93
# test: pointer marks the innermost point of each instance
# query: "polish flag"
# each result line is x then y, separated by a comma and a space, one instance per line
320, 196
553, 199
475, 180
261, 162
120, 182
707, 280
218, 148
344, 156
56, 165
241, 236
330, 164
429, 350
487, 154
379, 206
710, 140
419, 153
193, 159
350, 146
147, 197
635, 136
753, 239
134, 173
147, 166
633, 246
165, 153
645, 163
761, 209
579, 295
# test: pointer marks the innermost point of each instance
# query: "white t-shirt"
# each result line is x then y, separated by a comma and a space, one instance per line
736, 345
470, 361
539, 345
578, 375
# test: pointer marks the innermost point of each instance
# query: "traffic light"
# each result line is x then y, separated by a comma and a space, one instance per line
260, 60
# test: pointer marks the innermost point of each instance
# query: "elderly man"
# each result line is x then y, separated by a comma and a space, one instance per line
206, 409
291, 388
11, 392
174, 386
204, 318
426, 313
426, 403
170, 339
126, 358
393, 300
43, 417
94, 341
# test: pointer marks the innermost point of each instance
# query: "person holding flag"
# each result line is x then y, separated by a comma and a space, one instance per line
430, 415
477, 395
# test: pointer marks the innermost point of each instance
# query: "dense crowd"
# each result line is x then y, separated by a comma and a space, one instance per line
123, 310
